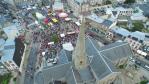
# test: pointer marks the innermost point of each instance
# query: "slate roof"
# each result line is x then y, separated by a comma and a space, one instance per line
95, 18
116, 51
55, 73
63, 57
114, 13
139, 35
86, 74
9, 48
144, 8
101, 63
107, 23
101, 66
121, 31
70, 78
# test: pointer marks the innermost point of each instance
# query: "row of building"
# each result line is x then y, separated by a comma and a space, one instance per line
107, 24
12, 49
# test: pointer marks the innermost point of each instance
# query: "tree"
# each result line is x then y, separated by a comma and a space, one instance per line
108, 2
129, 1
5, 78
144, 82
55, 38
138, 26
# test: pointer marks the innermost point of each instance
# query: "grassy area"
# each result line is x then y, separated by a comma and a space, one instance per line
5, 78
137, 26
123, 25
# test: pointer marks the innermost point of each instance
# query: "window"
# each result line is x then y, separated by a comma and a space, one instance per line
12, 64
7, 64
10, 61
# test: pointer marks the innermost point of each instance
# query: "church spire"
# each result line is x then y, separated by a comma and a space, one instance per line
79, 54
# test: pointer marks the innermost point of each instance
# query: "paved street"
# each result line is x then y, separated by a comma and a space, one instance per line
141, 63
30, 69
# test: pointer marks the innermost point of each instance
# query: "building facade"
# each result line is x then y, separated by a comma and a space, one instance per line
134, 43
12, 50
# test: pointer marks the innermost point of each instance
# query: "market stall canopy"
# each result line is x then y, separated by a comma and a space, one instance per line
78, 23
63, 15
36, 22
54, 20
73, 32
62, 35
43, 53
46, 21
67, 19
39, 15
50, 43
68, 46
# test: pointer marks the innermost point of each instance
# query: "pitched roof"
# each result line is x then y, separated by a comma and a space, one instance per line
70, 78
53, 73
116, 51
9, 48
121, 31
107, 23
101, 66
95, 18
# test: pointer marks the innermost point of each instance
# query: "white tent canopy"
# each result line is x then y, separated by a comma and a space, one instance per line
67, 19
39, 15
43, 53
63, 15
78, 23
68, 46
62, 35
71, 32
50, 43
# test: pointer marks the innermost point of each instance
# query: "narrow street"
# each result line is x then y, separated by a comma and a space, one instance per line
30, 69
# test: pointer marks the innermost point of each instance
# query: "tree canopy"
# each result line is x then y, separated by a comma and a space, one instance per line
138, 26
108, 2
129, 1
5, 78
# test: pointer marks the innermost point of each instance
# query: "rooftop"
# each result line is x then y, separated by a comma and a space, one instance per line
107, 23
96, 18
121, 31
11, 31
139, 35
9, 49
9, 46
101, 63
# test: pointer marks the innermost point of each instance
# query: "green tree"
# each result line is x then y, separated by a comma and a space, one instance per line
129, 1
108, 2
138, 26
5, 78
55, 38
144, 82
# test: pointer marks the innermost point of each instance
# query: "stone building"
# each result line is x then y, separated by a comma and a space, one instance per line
87, 64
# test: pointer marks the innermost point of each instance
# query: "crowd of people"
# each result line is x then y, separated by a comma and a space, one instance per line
51, 41
49, 38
